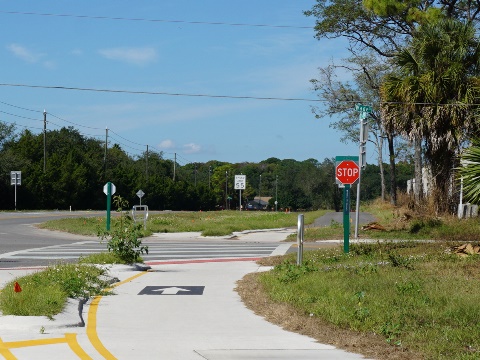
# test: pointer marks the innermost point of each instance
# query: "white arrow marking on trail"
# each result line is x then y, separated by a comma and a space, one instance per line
171, 290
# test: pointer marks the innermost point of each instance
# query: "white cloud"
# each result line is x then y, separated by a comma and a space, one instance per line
191, 148
167, 144
137, 56
77, 52
50, 64
23, 53
272, 45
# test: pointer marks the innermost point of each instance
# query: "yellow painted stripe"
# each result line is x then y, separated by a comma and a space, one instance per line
75, 346
7, 354
92, 322
37, 342
130, 279
92, 330
70, 339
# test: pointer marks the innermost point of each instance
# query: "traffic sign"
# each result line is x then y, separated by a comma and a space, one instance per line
347, 172
363, 108
105, 189
140, 193
240, 181
15, 178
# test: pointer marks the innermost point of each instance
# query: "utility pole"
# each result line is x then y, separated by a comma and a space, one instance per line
44, 140
174, 165
105, 155
260, 192
209, 171
226, 190
276, 193
146, 167
195, 174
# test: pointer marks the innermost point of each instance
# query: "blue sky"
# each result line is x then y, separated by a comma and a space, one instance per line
172, 57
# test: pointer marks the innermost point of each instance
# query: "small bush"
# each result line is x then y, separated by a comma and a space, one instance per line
124, 240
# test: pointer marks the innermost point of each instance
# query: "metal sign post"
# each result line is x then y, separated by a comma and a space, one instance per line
346, 218
300, 232
240, 181
109, 189
15, 179
364, 112
347, 172
140, 194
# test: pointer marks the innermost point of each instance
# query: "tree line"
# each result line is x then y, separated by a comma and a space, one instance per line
76, 168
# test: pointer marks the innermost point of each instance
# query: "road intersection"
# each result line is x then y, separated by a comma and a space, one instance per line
185, 307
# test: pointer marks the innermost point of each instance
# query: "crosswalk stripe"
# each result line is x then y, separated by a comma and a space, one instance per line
163, 250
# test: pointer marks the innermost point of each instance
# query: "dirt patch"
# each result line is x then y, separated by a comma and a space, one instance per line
370, 345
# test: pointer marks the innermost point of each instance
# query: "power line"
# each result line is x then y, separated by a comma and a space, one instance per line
156, 20
160, 93
24, 126
127, 139
19, 116
58, 125
212, 95
19, 107
71, 122
121, 143
185, 161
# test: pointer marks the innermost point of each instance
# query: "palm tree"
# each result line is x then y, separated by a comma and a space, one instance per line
469, 172
433, 99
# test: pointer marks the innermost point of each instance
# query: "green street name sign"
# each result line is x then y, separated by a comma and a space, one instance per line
363, 108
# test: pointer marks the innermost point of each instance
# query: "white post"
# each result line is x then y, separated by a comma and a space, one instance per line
16, 174
300, 232
362, 160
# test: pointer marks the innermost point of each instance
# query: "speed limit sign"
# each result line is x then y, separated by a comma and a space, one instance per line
240, 181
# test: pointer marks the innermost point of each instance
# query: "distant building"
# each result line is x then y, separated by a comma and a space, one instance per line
258, 203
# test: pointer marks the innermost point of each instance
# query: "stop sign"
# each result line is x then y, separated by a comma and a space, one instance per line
347, 172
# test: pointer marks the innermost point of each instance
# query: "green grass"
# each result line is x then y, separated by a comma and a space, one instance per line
45, 293
209, 223
102, 259
418, 296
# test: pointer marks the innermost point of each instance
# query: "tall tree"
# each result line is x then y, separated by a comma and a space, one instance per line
341, 96
435, 95
384, 26
469, 172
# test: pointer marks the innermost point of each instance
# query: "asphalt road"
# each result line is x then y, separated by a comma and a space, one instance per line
328, 218
18, 231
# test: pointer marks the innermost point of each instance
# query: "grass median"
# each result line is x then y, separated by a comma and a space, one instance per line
209, 223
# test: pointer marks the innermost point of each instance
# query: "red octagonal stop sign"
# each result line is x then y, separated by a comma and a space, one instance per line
347, 172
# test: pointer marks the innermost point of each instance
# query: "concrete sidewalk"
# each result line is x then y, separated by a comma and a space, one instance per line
182, 311
174, 311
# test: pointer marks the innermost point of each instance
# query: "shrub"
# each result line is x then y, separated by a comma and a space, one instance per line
124, 240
